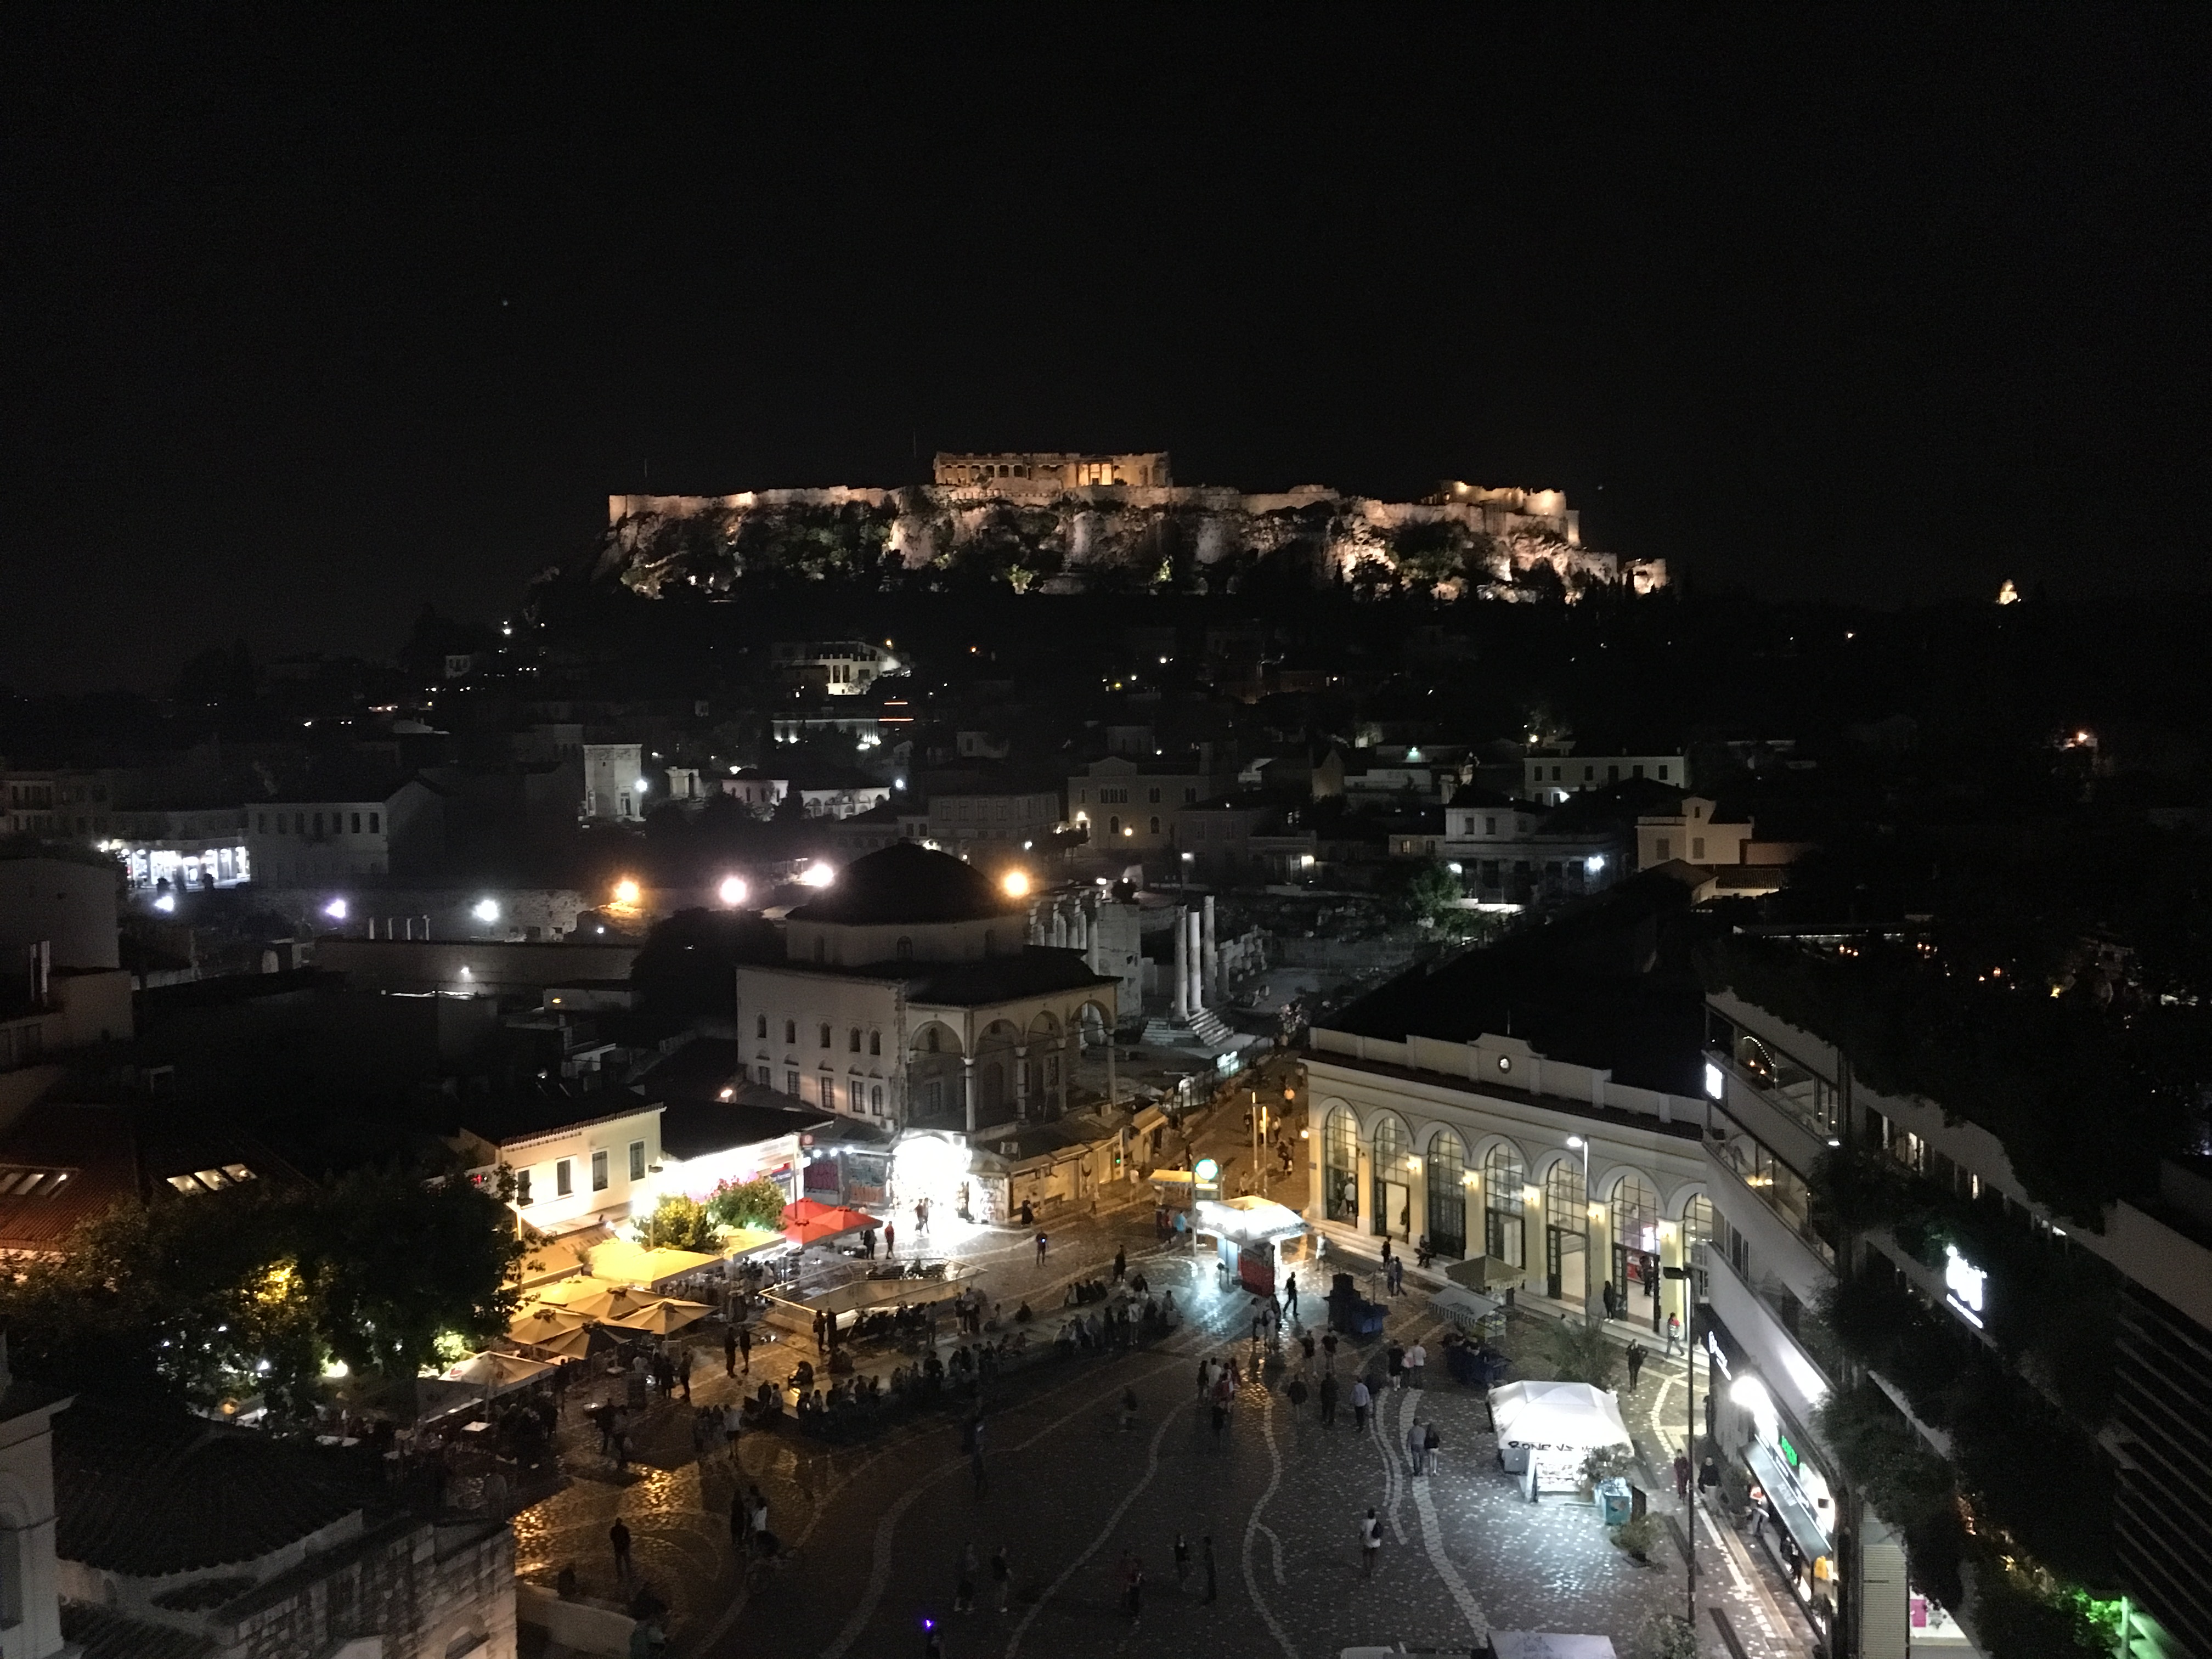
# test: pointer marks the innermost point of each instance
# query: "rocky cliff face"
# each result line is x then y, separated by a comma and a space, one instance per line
1490, 545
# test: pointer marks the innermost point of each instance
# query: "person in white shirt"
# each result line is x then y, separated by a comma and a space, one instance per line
1417, 1358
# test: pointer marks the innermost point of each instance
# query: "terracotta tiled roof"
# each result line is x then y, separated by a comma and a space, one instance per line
147, 1494
99, 1633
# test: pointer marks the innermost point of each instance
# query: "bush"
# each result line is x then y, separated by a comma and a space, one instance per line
758, 1203
678, 1223
1637, 1535
1663, 1636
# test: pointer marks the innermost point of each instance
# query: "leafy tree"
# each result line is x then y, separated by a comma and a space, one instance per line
681, 1224
1579, 1351
255, 1289
756, 1203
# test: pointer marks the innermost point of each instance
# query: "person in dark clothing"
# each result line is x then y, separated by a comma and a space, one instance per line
1636, 1354
730, 1352
1682, 1476
618, 1536
1328, 1401
1120, 1264
1290, 1297
745, 1347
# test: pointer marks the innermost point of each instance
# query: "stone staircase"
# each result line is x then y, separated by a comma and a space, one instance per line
1205, 1027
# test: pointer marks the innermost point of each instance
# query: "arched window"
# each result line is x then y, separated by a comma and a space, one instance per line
1447, 1173
876, 1098
929, 1040
791, 1030
1636, 1215
905, 949
1114, 826
1340, 1164
1155, 826
1394, 1178
1566, 1206
760, 1027
875, 1042
852, 1041
1505, 1225
825, 1035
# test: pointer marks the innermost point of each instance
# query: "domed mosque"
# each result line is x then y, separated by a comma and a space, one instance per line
910, 998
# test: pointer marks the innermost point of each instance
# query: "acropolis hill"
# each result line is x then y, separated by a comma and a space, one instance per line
1072, 523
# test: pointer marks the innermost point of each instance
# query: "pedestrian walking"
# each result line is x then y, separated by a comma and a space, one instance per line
1682, 1477
1371, 1544
1417, 1364
1133, 1592
1181, 1560
729, 1351
619, 1537
1291, 1298
683, 1373
891, 1240
733, 1423
868, 1243
1328, 1401
1212, 1583
1416, 1447
1396, 1356
1297, 1394
964, 1579
1002, 1579
1328, 1348
1435, 1444
1397, 1275
745, 1347
1636, 1354
741, 1522
1120, 1264
1041, 1241
932, 1646
1360, 1402
1674, 1334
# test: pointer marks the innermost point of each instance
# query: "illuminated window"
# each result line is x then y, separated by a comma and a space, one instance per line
599, 1175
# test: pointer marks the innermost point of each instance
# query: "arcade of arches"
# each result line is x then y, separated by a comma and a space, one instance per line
1519, 1196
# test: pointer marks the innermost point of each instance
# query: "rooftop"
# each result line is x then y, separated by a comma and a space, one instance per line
906, 883
147, 1494
1611, 984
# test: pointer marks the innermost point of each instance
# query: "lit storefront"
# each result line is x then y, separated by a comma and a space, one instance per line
1792, 1490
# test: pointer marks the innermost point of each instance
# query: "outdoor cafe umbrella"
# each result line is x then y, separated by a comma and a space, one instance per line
495, 1372
809, 1222
609, 1304
662, 1315
557, 1330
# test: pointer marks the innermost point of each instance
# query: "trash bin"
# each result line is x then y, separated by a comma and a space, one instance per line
1614, 1503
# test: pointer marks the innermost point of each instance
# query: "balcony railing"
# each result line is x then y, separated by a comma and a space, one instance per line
1807, 1101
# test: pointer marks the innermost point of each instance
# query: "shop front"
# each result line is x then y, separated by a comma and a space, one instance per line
1791, 1489
1259, 1242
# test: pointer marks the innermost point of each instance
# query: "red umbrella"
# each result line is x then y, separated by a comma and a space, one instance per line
809, 1222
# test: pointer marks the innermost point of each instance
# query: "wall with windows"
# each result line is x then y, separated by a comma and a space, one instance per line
578, 1174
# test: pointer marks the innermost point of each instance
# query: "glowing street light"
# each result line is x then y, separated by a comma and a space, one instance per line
626, 890
1017, 884
816, 874
336, 909
485, 910
732, 891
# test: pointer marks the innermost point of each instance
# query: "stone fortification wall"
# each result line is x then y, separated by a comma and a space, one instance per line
1037, 534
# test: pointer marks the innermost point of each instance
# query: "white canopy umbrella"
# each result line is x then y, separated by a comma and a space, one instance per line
1572, 1414
496, 1372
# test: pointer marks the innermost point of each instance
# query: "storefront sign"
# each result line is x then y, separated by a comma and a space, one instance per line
1964, 1284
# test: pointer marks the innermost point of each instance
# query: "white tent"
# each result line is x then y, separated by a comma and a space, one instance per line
1572, 1414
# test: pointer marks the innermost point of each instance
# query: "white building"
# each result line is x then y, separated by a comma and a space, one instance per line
1509, 853
837, 668
614, 782
575, 1162
1549, 775
1692, 834
324, 838
910, 996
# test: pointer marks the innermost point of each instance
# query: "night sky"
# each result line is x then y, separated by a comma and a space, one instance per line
309, 318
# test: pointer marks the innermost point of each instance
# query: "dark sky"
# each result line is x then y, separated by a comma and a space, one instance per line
310, 317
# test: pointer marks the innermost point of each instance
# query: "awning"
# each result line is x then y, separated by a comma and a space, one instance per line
1573, 1414
1787, 1499
1462, 1307
621, 1262
868, 1295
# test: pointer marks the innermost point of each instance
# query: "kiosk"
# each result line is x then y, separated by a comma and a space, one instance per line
1258, 1240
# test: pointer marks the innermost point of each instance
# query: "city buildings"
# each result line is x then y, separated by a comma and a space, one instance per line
1552, 772
910, 996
